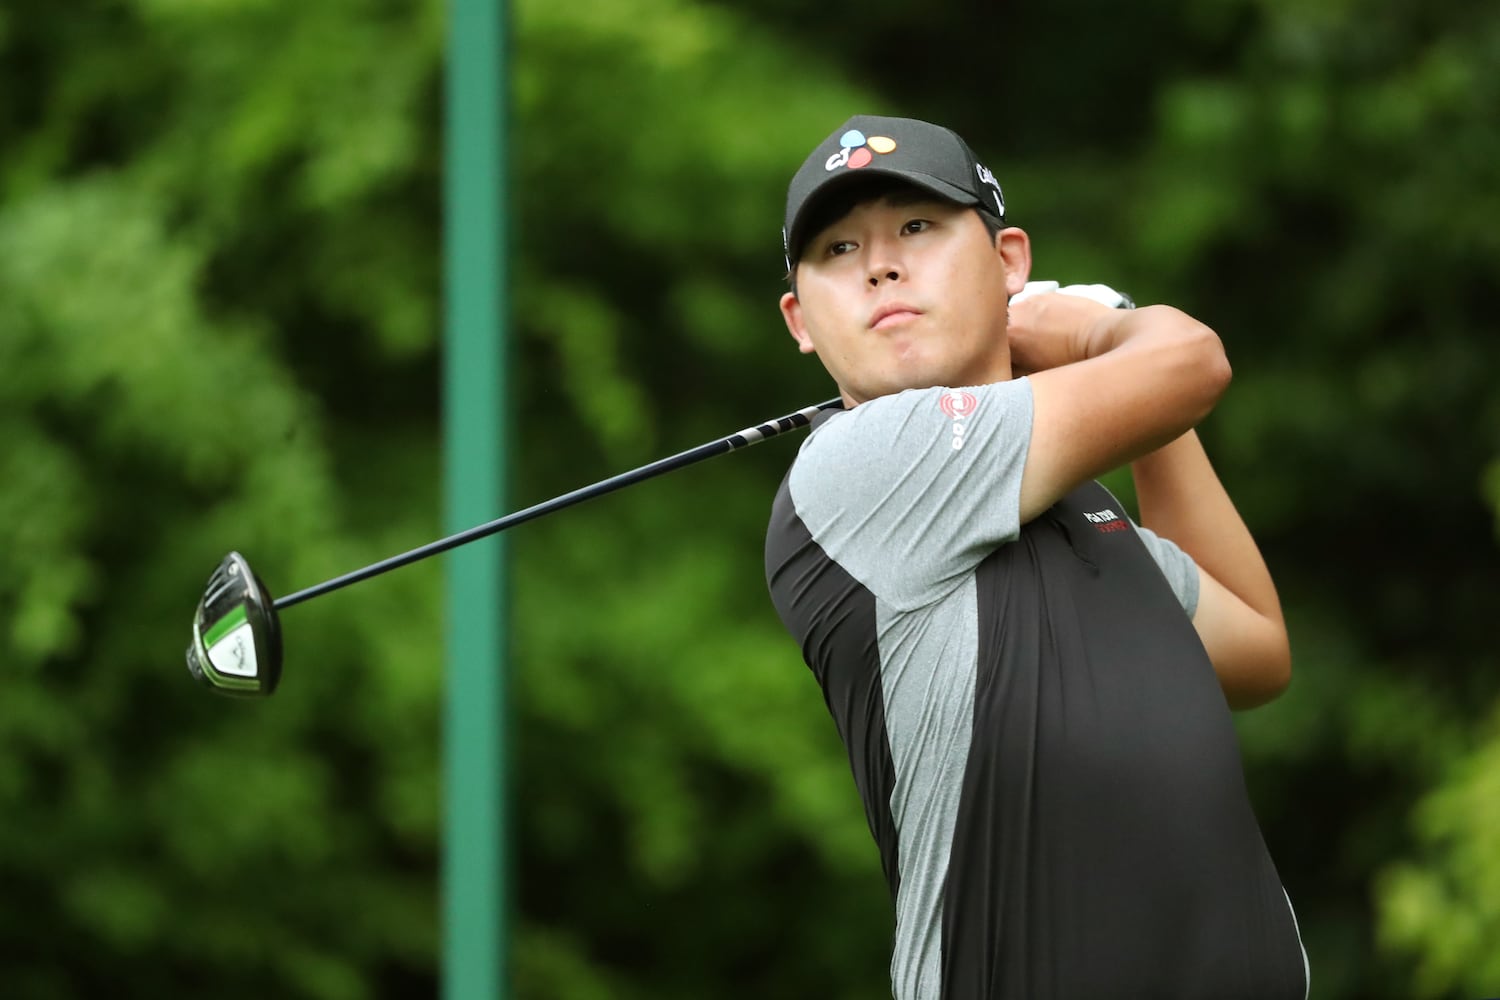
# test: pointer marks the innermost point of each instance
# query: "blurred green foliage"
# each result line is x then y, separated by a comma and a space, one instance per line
219, 288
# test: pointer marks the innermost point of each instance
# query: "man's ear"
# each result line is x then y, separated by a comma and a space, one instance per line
1013, 247
791, 312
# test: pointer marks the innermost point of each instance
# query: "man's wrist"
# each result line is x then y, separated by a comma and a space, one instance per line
1104, 332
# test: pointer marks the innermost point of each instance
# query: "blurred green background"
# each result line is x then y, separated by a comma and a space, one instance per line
219, 328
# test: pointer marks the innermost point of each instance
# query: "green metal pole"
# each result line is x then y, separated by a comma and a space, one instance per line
475, 847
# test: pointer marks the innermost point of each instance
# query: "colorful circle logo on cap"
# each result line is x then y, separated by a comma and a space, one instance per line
859, 149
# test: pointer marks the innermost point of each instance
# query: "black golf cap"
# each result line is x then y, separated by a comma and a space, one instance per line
927, 155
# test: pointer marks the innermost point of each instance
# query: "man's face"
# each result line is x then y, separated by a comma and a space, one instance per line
906, 292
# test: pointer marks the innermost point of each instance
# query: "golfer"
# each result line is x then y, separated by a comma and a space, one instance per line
1034, 691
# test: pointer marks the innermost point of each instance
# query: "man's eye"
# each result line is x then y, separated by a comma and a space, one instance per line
916, 226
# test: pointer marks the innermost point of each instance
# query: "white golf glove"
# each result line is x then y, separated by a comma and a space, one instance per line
1102, 294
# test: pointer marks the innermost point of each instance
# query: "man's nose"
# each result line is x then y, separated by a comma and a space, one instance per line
884, 263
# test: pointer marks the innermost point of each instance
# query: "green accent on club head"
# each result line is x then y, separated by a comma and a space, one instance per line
224, 626
218, 679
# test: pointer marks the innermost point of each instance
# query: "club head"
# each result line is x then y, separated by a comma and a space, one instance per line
236, 646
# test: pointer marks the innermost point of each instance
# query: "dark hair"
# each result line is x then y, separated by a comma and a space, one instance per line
844, 198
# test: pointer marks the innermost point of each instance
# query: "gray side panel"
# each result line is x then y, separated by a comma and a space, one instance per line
929, 665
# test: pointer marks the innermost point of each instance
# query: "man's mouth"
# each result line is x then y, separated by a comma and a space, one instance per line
892, 314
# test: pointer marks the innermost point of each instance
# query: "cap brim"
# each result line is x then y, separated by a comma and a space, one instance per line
796, 235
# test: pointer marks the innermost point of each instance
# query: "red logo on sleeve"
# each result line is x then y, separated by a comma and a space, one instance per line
957, 405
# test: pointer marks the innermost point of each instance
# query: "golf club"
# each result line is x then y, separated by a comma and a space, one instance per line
236, 647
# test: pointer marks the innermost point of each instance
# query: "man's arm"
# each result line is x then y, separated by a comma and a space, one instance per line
1115, 386
1108, 387
1239, 615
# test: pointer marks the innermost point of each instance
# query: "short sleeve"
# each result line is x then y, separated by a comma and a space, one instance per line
910, 492
1176, 565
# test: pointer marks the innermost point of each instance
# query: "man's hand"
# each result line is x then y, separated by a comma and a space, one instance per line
1051, 329
1048, 327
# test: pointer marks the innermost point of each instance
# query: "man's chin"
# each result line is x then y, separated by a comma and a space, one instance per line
890, 387
922, 376
916, 375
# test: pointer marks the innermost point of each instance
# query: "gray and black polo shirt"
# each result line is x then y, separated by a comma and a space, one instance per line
1044, 754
